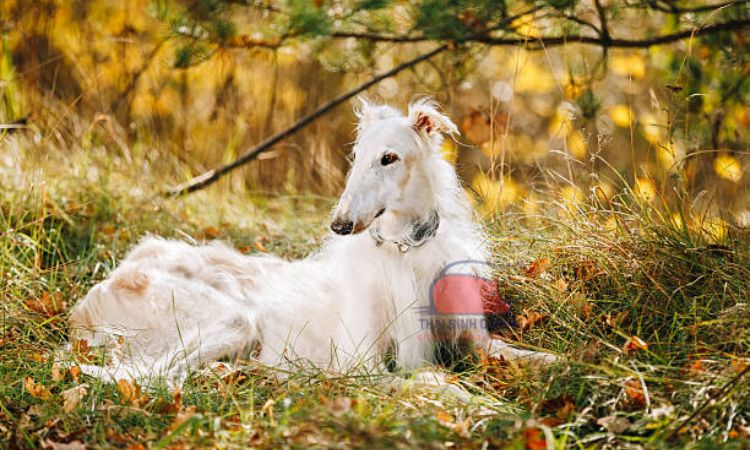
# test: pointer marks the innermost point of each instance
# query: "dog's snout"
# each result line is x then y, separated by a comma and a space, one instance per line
342, 227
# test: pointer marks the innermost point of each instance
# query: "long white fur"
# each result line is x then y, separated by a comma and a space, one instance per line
171, 306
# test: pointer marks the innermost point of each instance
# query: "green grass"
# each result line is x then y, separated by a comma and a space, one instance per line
67, 217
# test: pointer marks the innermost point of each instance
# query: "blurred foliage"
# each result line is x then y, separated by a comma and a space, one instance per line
204, 80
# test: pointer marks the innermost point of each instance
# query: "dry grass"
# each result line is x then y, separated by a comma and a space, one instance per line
650, 316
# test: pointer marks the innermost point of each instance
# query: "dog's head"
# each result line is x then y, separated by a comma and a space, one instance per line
389, 174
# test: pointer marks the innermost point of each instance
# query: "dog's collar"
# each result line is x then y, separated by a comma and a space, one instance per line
421, 232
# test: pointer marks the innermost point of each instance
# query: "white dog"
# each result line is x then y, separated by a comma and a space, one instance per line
171, 306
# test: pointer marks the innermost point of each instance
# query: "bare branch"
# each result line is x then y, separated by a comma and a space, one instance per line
213, 175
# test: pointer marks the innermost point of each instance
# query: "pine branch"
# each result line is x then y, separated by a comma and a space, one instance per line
553, 41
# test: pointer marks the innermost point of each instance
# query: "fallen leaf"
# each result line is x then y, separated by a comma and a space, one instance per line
614, 424
52, 445
36, 390
340, 406
117, 437
182, 417
57, 373
528, 319
634, 392
260, 247
82, 350
74, 371
175, 405
211, 233
35, 410
695, 366
534, 439
445, 418
561, 284
108, 229
537, 267
47, 305
633, 344
72, 397
587, 270
130, 393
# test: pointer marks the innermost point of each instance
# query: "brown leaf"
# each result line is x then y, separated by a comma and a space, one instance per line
210, 233
340, 406
182, 417
534, 439
36, 390
634, 344
634, 392
47, 305
74, 371
58, 374
587, 270
537, 267
82, 350
72, 397
176, 404
130, 393
260, 247
561, 284
562, 407
528, 319
108, 229
614, 424
115, 436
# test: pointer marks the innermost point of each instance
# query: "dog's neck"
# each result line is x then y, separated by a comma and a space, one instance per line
422, 230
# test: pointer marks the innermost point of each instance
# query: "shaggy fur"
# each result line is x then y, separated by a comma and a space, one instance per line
171, 306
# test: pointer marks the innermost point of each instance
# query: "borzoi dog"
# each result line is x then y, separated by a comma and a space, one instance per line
403, 216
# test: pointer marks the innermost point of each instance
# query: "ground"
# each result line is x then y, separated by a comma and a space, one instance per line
649, 315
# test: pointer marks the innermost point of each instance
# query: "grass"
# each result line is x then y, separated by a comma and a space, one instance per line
650, 316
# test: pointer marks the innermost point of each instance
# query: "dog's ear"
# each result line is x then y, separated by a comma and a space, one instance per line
369, 112
428, 120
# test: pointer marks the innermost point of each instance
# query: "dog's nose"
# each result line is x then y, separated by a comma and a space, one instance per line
342, 227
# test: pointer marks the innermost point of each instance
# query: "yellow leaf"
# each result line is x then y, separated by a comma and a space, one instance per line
532, 78
576, 144
493, 194
728, 168
645, 189
651, 129
669, 156
36, 390
525, 26
572, 195
629, 65
714, 230
621, 115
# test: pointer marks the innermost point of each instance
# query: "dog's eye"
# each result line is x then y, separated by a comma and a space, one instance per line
389, 158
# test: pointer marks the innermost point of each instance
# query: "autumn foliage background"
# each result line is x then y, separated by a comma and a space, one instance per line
613, 180
196, 83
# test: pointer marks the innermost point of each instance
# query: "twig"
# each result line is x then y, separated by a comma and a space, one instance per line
213, 175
